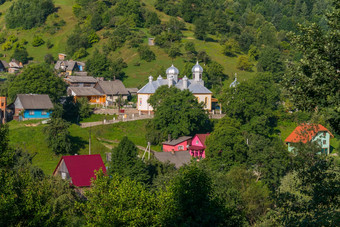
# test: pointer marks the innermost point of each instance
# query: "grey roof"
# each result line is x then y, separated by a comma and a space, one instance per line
195, 87
35, 102
115, 87
81, 79
69, 65
83, 91
132, 89
5, 64
172, 70
197, 68
80, 73
177, 141
179, 158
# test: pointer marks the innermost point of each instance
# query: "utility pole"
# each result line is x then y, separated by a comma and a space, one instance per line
90, 141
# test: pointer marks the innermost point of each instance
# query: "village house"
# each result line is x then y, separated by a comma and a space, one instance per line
79, 169
197, 146
195, 86
31, 106
310, 133
132, 91
69, 66
178, 158
14, 66
80, 81
3, 112
112, 90
4, 66
93, 95
180, 144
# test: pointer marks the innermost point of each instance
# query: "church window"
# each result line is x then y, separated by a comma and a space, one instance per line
140, 101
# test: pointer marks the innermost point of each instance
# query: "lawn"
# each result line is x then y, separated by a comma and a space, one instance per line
98, 117
32, 140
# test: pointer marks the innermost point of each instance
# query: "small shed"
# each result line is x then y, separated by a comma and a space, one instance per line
151, 41
79, 169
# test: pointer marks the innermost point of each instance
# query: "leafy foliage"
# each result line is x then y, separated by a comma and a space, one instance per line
20, 55
28, 14
177, 113
37, 79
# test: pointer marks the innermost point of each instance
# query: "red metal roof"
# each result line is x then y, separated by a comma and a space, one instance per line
196, 148
81, 168
203, 137
305, 132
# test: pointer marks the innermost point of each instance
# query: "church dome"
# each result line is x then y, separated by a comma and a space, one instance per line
197, 68
172, 70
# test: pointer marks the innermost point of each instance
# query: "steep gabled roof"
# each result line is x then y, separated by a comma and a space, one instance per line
177, 141
5, 64
306, 132
115, 87
82, 168
35, 102
203, 137
81, 79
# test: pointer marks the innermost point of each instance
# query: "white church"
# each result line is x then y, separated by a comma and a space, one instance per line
194, 85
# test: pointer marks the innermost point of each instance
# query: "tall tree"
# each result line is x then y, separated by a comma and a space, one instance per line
177, 112
126, 163
37, 79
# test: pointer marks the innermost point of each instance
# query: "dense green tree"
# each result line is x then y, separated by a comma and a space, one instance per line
200, 28
214, 74
145, 53
84, 108
313, 82
78, 39
28, 14
244, 64
20, 55
270, 61
226, 145
126, 163
151, 18
189, 200
37, 41
120, 202
37, 79
177, 112
49, 59
58, 136
231, 48
98, 65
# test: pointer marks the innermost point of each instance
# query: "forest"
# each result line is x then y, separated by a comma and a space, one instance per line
289, 48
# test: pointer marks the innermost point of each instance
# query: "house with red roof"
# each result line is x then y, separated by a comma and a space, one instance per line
310, 133
197, 146
79, 169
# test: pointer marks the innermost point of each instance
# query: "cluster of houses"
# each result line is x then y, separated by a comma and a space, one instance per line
13, 66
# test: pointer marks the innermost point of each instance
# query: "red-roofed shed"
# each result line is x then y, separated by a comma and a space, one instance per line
79, 168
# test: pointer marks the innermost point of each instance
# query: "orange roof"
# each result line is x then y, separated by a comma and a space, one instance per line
305, 132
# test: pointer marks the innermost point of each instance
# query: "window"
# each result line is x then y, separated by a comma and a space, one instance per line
196, 141
140, 101
63, 175
31, 112
181, 147
2, 104
324, 142
44, 112
324, 134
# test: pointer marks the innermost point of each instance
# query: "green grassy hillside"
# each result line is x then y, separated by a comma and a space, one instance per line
136, 75
32, 139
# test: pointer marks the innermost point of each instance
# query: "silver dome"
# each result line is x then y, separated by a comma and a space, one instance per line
172, 70
197, 68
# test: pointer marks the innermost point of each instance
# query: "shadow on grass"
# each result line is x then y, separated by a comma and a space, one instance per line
77, 144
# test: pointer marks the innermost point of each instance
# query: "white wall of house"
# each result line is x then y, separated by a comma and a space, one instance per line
206, 99
142, 102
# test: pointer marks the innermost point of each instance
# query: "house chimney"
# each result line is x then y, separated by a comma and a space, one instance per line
150, 79
185, 82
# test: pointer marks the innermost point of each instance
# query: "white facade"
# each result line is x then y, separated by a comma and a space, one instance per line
194, 85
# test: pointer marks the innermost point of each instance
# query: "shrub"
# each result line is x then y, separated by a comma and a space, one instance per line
21, 55
6, 46
146, 54
81, 53
49, 45
37, 41
12, 38
244, 64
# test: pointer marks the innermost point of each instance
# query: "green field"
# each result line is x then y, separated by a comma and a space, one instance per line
136, 75
32, 140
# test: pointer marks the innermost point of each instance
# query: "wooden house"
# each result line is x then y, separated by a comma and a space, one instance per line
80, 81
3, 112
112, 90
61, 56
93, 95
69, 66
4, 66
197, 146
180, 144
14, 66
79, 169
32, 106
310, 133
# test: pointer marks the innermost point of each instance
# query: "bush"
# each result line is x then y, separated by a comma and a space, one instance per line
12, 38
81, 53
6, 46
21, 55
146, 54
49, 59
49, 45
244, 64
37, 41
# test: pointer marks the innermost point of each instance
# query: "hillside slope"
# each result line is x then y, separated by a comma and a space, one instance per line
137, 70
